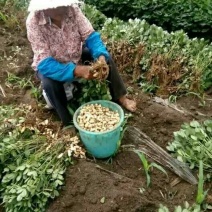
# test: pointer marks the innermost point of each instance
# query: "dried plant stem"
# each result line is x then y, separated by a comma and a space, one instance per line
161, 156
2, 90
110, 172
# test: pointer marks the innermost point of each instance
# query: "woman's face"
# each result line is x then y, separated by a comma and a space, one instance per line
56, 12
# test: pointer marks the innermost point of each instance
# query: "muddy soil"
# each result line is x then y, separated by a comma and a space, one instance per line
118, 184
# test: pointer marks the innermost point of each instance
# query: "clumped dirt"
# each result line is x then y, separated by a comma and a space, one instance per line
118, 184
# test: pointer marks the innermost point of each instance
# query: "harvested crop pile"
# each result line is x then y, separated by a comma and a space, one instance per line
96, 118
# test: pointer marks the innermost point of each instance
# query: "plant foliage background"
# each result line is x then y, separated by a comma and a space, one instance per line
193, 16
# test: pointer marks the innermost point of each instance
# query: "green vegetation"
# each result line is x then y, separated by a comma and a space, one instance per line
18, 4
185, 208
193, 143
148, 166
13, 81
194, 17
89, 91
201, 194
92, 90
171, 63
31, 166
96, 17
166, 64
13, 13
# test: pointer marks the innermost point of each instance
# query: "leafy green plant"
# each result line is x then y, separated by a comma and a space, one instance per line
36, 92
189, 60
89, 91
148, 166
94, 90
31, 168
3, 17
185, 208
18, 4
148, 87
201, 194
13, 13
95, 16
14, 81
193, 143
173, 99
194, 17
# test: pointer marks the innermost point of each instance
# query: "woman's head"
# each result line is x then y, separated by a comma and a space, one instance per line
55, 13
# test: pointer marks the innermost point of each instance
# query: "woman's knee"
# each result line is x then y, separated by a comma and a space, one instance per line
50, 85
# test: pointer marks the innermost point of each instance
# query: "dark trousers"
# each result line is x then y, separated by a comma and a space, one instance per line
56, 93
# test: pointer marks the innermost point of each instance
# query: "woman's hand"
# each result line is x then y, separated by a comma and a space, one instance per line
102, 59
83, 72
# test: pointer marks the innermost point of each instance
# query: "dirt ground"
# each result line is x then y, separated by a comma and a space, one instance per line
89, 186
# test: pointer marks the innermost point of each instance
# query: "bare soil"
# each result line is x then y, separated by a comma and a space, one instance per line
89, 188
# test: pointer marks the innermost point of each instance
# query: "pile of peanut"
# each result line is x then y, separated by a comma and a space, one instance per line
96, 118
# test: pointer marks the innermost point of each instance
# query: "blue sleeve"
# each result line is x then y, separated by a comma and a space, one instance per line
96, 46
55, 70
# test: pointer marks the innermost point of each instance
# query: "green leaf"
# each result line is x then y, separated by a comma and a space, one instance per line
178, 209
46, 193
21, 167
19, 197
194, 137
194, 124
18, 178
49, 171
209, 207
54, 175
24, 193
32, 173
6, 170
209, 129
148, 179
8, 177
180, 158
186, 205
12, 191
6, 140
159, 168
58, 182
60, 177
143, 159
56, 193
200, 194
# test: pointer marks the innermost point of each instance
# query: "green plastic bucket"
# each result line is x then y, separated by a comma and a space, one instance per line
101, 144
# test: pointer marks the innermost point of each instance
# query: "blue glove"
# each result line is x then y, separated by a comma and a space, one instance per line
96, 46
55, 70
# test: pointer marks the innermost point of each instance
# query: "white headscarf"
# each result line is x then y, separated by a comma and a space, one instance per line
36, 5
